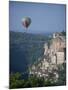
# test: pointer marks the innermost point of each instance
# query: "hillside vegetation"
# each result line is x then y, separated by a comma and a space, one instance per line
25, 49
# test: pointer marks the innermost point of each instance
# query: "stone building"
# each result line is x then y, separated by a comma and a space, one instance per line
55, 51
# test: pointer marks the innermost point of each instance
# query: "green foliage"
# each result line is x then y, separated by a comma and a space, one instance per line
33, 81
14, 80
64, 33
62, 74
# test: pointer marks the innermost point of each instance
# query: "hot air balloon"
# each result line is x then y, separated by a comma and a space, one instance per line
26, 21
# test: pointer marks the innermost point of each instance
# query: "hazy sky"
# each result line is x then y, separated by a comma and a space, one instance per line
45, 17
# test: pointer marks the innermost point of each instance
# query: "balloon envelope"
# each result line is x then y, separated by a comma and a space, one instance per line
26, 21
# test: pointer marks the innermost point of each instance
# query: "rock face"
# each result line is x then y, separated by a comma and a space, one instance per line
54, 55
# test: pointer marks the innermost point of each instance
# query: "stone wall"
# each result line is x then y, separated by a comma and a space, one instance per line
60, 57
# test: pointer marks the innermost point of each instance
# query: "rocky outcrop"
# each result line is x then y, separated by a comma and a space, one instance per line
54, 55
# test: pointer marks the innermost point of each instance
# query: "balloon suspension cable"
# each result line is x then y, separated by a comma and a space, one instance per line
26, 29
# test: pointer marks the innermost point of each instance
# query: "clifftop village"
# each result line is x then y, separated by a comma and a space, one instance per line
54, 55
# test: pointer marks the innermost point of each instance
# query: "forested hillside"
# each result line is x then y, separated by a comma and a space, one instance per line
25, 48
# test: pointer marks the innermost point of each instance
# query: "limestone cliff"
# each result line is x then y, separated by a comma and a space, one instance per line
54, 55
